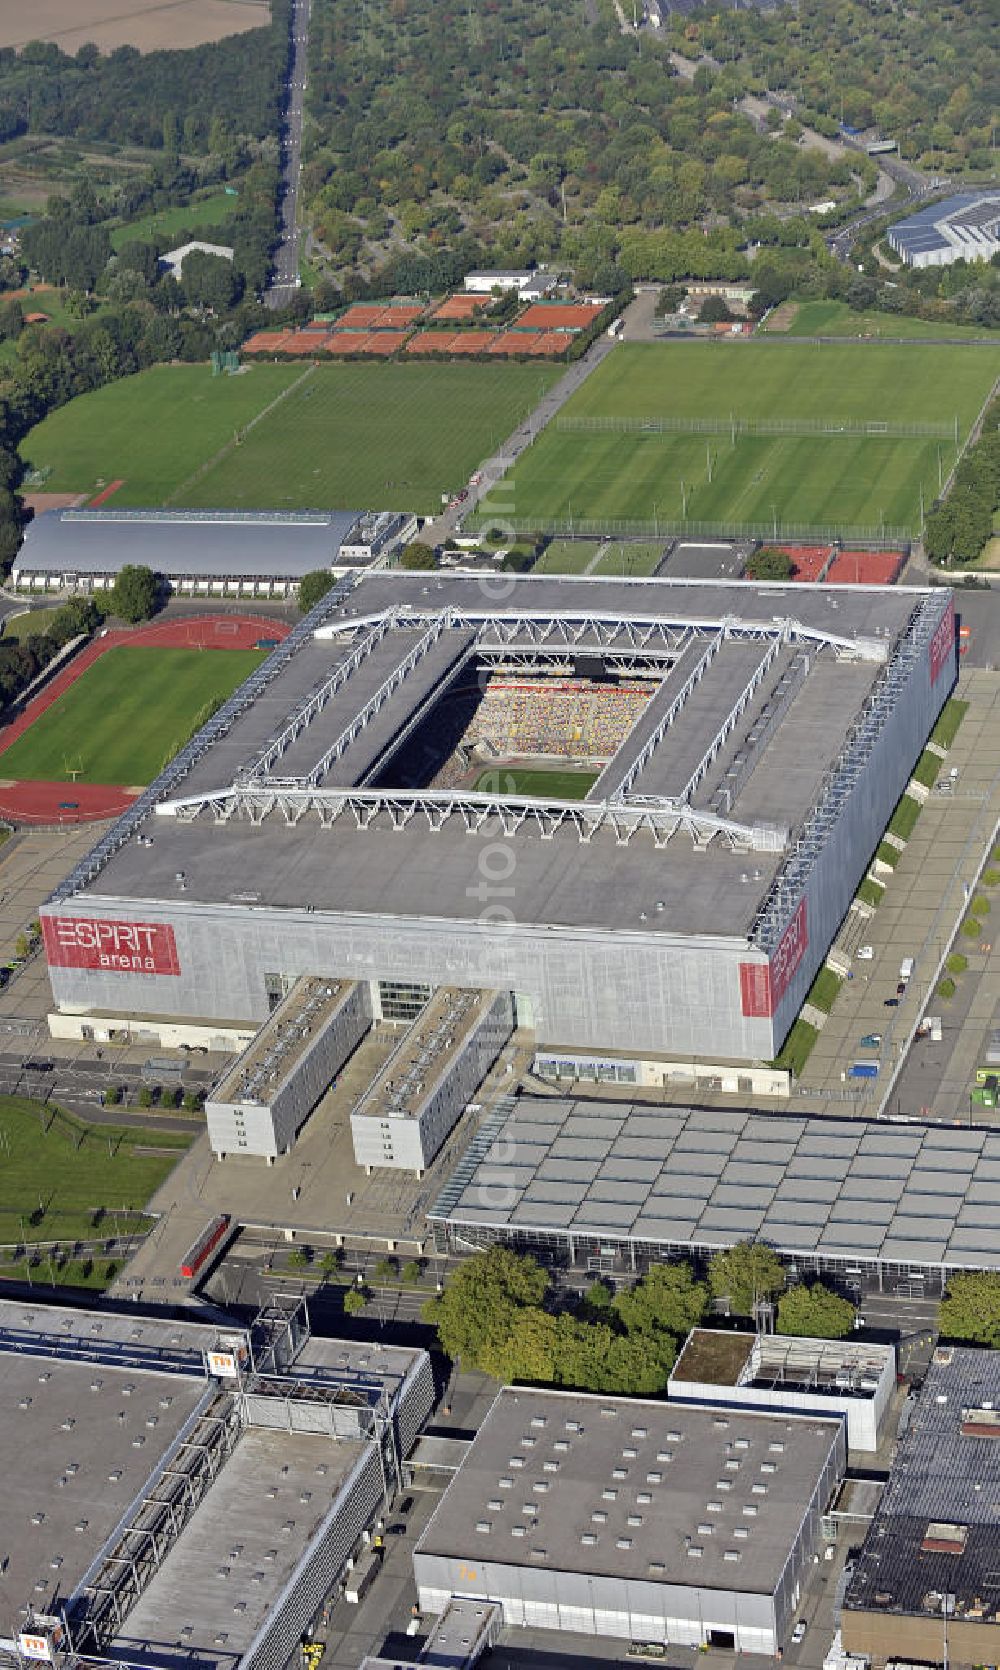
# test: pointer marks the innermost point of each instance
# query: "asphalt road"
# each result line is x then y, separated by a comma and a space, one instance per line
285, 280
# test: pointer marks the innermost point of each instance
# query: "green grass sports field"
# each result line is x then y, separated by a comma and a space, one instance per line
813, 481
151, 431
380, 437
531, 780
126, 715
350, 437
837, 319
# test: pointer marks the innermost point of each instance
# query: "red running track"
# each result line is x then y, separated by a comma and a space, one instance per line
36, 802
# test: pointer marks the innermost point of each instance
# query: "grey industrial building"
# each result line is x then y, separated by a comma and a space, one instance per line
634, 1520
177, 1494
964, 227
684, 905
925, 1585
607, 1185
202, 553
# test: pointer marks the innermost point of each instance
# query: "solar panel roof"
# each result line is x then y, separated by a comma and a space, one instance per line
819, 1186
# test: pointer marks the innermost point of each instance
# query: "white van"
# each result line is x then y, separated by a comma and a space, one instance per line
906, 968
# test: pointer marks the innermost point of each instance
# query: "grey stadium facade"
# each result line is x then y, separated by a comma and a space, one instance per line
684, 905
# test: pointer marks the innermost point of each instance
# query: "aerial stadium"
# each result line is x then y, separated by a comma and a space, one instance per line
641, 808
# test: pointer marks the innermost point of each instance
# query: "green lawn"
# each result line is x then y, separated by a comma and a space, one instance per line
127, 715
152, 430
31, 624
837, 319
526, 780
797, 1048
62, 1179
904, 818
567, 556
816, 482
824, 989
630, 559
378, 437
169, 223
949, 719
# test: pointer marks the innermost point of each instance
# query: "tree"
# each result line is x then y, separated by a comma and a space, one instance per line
112, 1096
667, 1300
417, 555
714, 311
815, 1313
385, 1271
411, 1272
134, 593
970, 1309
313, 587
298, 1258
744, 1274
770, 564
21, 947
482, 1302
355, 1300
330, 1261
145, 1097
209, 281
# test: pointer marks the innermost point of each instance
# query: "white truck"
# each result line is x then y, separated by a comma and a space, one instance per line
906, 968
363, 1575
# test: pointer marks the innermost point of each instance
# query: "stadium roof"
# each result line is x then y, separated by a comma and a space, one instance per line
221, 543
936, 1531
407, 635
608, 1465
975, 216
851, 1191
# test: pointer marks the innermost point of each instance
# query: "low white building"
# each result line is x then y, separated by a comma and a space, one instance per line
424, 1087
842, 1378
529, 286
173, 261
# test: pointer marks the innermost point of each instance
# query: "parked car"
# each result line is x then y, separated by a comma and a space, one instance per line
871, 1041
891, 1003
799, 1631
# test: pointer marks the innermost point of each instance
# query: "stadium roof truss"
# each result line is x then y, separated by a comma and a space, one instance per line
540, 640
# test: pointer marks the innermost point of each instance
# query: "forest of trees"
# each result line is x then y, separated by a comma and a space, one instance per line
160, 100
519, 128
924, 74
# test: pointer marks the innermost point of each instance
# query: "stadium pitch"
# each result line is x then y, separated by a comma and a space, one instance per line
535, 782
126, 715
807, 480
348, 437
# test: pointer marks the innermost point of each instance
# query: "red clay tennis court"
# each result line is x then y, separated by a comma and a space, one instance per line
865, 568
67, 802
461, 307
809, 560
572, 316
